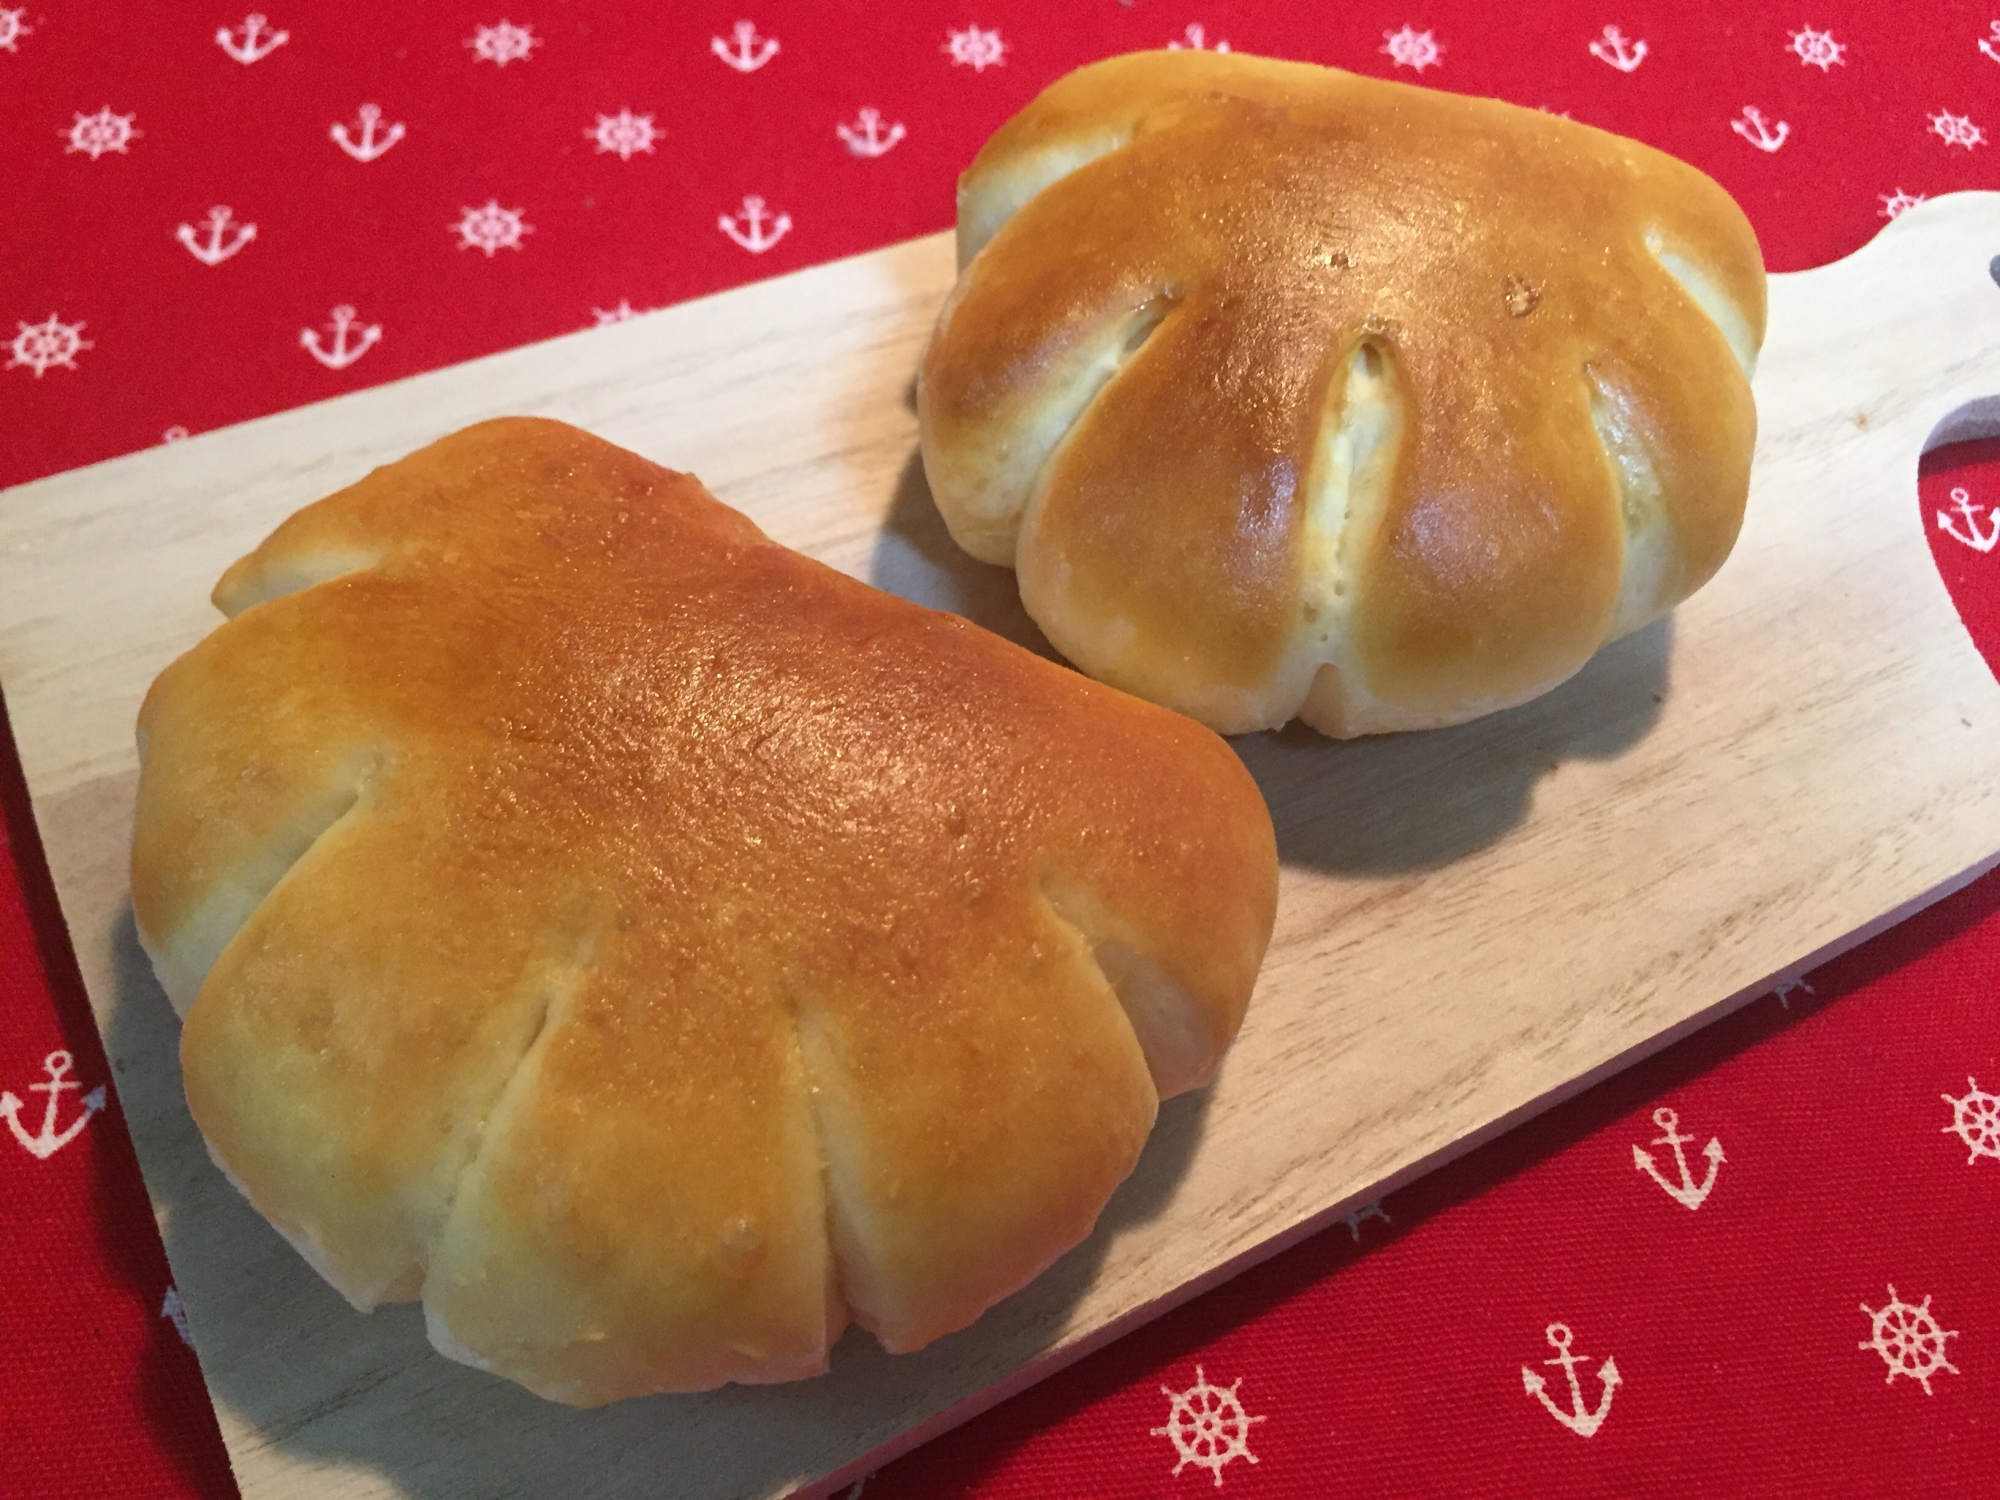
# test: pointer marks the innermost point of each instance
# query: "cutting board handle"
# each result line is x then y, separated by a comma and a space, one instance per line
1903, 336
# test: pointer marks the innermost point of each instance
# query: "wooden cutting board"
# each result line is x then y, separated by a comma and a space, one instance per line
1474, 923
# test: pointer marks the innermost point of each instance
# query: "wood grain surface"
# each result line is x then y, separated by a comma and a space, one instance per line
1473, 923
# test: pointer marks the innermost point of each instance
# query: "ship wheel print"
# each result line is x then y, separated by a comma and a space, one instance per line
1207, 1426
1975, 1120
1910, 1340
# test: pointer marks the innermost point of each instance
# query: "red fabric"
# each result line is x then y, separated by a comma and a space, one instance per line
1383, 1361
176, 343
1961, 515
99, 1394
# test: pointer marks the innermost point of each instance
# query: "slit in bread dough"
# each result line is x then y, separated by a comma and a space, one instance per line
1112, 350
1707, 294
844, 1235
1163, 1016
183, 957
1347, 490
567, 1352
279, 576
1647, 574
557, 978
1001, 197
1045, 575
873, 1295
991, 523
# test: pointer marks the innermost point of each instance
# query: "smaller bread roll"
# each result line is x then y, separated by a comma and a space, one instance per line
1290, 393
653, 949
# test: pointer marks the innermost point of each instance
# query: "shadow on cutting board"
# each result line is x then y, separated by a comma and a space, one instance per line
294, 1369
1383, 805
916, 559
1392, 804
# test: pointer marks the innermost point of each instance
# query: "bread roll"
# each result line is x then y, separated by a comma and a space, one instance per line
654, 949
1292, 393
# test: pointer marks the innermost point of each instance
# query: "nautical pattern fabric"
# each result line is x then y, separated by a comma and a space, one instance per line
1760, 1263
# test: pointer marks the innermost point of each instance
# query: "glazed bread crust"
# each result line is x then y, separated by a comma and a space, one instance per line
1293, 393
654, 949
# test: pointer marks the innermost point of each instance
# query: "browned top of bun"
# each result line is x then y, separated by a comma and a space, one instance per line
1182, 259
651, 946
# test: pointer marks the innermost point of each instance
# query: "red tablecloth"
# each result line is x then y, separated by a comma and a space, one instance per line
1781, 1233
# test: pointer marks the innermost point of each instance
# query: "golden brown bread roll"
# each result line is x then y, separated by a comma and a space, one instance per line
653, 948
1293, 393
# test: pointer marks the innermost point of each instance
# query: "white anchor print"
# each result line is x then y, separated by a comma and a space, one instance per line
214, 251
1617, 50
363, 144
1686, 1192
1765, 135
175, 1312
337, 353
1195, 39
48, 1141
866, 137
747, 51
1787, 988
1972, 536
1362, 1215
259, 40
1578, 1419
753, 235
